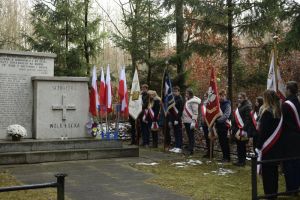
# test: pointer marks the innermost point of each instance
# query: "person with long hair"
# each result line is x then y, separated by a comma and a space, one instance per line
269, 141
255, 115
153, 115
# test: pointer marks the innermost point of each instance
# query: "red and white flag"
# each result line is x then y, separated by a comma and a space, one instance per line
275, 81
213, 110
94, 100
108, 92
102, 96
123, 94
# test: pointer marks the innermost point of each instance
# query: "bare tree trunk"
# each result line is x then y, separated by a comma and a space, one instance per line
179, 34
149, 46
229, 49
86, 47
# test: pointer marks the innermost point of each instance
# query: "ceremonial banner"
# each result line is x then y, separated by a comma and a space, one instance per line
108, 92
167, 94
275, 81
94, 100
135, 101
213, 110
102, 96
123, 94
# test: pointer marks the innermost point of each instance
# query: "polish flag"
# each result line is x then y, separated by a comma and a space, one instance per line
123, 94
275, 81
94, 100
102, 96
108, 92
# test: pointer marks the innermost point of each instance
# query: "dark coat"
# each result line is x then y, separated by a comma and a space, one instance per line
291, 133
156, 109
245, 112
226, 109
172, 116
267, 126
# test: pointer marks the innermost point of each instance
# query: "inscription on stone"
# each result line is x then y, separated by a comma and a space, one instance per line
64, 107
16, 95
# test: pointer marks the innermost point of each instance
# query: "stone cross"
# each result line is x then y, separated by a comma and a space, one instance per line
64, 107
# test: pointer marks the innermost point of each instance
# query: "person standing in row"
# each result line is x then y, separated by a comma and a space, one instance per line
255, 115
269, 141
243, 127
189, 117
174, 118
143, 122
153, 115
205, 127
291, 136
222, 126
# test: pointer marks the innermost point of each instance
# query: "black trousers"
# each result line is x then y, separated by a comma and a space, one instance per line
291, 171
132, 131
241, 150
167, 139
154, 139
270, 178
191, 136
224, 141
207, 140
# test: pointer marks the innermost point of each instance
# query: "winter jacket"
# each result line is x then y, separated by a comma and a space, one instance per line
190, 110
172, 115
226, 109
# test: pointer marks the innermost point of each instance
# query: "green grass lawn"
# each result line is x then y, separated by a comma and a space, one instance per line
6, 180
200, 183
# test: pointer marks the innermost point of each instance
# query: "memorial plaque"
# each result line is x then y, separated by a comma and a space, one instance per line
61, 107
16, 94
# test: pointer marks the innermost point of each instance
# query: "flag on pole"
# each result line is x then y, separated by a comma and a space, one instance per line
167, 94
102, 96
213, 110
123, 94
135, 101
108, 92
94, 100
275, 81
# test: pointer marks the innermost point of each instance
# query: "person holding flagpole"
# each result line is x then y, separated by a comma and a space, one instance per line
269, 141
190, 116
144, 124
291, 136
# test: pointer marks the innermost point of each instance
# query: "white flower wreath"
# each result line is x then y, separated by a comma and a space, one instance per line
16, 130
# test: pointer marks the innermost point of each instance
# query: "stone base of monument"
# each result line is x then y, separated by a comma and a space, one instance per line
39, 151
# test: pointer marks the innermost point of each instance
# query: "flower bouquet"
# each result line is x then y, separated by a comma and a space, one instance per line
16, 131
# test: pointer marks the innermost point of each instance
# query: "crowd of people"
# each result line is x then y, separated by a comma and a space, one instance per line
272, 124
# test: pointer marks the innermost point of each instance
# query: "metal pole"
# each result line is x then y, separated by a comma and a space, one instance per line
254, 176
60, 186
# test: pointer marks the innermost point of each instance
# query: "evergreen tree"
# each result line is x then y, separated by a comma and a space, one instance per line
63, 27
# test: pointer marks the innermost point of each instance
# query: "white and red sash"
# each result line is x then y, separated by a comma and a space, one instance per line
254, 118
294, 111
189, 113
270, 142
145, 115
238, 119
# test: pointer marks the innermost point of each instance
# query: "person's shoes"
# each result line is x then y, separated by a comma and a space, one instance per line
172, 150
177, 150
239, 164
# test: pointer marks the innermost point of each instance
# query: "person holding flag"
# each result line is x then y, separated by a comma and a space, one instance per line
190, 116
135, 106
291, 136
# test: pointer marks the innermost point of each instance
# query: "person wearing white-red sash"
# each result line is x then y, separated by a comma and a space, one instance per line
190, 116
222, 126
291, 136
205, 127
269, 141
255, 115
243, 127
153, 116
144, 129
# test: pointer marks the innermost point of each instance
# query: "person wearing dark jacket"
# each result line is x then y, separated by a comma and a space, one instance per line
174, 120
144, 125
153, 110
242, 127
256, 114
266, 148
222, 126
291, 136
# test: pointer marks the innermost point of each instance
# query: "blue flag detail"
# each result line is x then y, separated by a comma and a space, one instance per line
167, 94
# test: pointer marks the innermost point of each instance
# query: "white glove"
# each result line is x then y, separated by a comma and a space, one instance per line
243, 134
170, 124
193, 124
176, 123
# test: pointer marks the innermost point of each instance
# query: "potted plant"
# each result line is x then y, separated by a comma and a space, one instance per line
16, 132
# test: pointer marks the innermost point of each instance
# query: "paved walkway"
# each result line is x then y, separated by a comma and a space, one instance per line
106, 179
